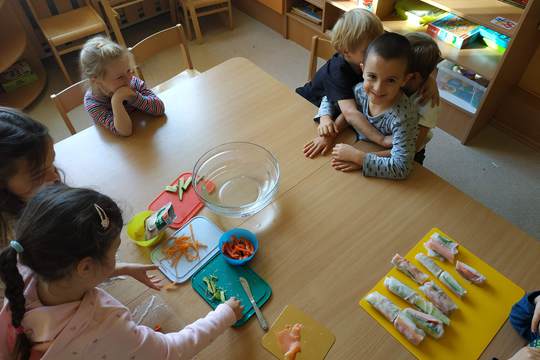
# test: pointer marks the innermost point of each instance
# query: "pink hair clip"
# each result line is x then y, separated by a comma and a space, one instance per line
19, 330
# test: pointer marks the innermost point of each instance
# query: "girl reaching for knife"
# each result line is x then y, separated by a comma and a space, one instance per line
65, 245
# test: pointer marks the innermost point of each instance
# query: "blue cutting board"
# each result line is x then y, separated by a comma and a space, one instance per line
228, 280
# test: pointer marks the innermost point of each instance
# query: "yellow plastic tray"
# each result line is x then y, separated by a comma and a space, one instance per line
482, 311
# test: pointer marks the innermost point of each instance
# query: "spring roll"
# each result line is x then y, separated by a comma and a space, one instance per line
408, 329
429, 324
442, 246
429, 264
409, 269
452, 284
438, 297
469, 273
383, 305
433, 254
412, 297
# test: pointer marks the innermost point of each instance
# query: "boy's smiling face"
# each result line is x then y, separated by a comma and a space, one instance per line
383, 79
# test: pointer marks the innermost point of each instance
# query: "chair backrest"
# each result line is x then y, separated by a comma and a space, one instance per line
43, 9
320, 48
160, 41
68, 99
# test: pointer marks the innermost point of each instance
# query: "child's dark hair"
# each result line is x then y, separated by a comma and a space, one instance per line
58, 227
425, 53
391, 46
21, 137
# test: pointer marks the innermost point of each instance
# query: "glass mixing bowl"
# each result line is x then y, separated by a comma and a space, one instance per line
236, 179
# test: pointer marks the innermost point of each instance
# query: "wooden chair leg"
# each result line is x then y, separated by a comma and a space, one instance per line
174, 13
60, 63
186, 19
62, 112
230, 16
195, 21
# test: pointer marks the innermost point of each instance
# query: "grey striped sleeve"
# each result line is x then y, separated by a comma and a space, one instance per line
400, 163
327, 108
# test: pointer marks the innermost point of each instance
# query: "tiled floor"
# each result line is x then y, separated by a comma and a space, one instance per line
496, 170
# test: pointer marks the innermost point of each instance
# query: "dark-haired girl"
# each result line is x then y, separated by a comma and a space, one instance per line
65, 245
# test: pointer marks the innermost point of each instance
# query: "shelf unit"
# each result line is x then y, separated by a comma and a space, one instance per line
14, 46
503, 70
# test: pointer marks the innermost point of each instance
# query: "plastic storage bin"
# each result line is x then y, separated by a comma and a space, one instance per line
457, 89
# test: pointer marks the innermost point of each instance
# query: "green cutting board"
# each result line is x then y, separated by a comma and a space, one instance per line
228, 280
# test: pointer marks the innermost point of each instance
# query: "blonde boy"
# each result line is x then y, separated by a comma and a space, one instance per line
336, 80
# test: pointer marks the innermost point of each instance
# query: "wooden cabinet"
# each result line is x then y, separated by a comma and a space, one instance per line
530, 81
506, 72
276, 5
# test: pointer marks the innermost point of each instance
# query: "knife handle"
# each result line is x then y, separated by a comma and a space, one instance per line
260, 316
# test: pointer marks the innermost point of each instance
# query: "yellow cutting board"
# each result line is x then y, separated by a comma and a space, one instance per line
316, 339
480, 314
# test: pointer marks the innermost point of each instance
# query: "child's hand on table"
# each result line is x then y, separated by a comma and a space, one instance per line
327, 127
526, 353
320, 145
347, 158
123, 93
236, 306
140, 273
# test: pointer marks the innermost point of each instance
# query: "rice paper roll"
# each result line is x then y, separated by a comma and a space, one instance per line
407, 328
442, 246
398, 288
429, 264
429, 324
452, 284
383, 305
412, 297
406, 267
469, 273
434, 254
428, 308
438, 297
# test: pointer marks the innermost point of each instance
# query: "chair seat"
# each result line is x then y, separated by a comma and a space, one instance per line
72, 25
183, 76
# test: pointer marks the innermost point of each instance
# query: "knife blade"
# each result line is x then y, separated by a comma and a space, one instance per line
260, 317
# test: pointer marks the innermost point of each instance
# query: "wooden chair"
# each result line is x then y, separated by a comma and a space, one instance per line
320, 48
111, 12
193, 9
64, 30
68, 99
173, 36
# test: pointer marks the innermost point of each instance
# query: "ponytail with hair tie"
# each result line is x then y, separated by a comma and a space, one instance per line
14, 292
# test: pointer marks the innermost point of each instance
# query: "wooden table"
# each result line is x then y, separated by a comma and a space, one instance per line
325, 240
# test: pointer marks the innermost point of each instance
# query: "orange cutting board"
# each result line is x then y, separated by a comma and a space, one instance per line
316, 340
480, 315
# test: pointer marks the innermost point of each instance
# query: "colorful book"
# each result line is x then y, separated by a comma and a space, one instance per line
454, 30
494, 39
309, 12
418, 13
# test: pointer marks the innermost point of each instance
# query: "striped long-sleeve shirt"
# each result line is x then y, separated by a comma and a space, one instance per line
100, 109
400, 121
